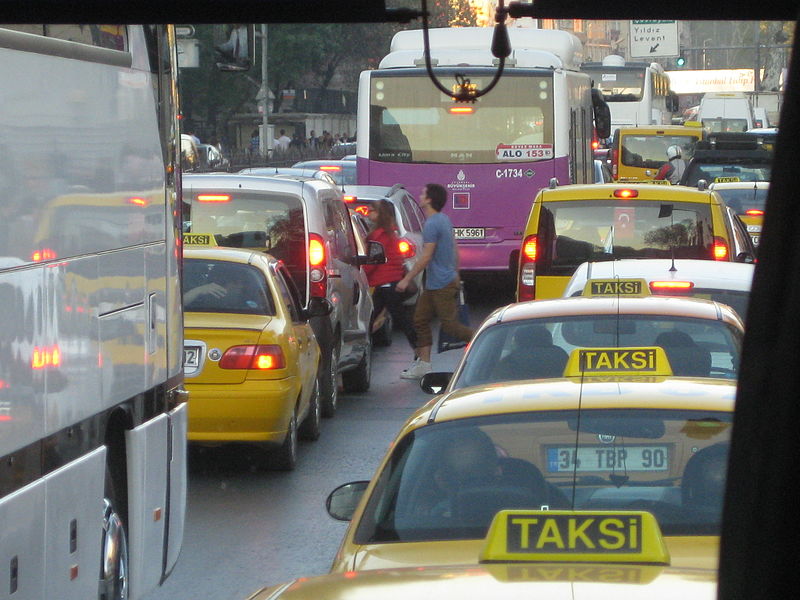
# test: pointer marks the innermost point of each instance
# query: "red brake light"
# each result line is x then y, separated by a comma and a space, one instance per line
663, 287
350, 199
719, 249
529, 249
43, 254
317, 262
461, 110
213, 197
406, 248
754, 212
626, 193
316, 251
595, 144
136, 201
527, 268
362, 210
263, 357
330, 168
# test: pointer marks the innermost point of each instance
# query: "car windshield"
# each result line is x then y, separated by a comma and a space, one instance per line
225, 287
539, 348
650, 151
447, 480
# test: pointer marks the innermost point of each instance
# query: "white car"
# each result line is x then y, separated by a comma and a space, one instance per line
725, 282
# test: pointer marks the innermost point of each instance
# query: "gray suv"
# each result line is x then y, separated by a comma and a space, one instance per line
304, 222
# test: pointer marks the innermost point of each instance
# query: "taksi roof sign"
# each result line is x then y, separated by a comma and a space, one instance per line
653, 38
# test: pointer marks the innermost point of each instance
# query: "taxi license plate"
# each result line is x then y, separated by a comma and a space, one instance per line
469, 233
191, 357
563, 459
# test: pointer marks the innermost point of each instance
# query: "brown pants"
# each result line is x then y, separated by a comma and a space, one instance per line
442, 303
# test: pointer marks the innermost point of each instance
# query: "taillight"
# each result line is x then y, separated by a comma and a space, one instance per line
317, 266
213, 198
527, 268
461, 110
43, 254
626, 193
263, 357
406, 248
671, 287
719, 250
614, 164
754, 212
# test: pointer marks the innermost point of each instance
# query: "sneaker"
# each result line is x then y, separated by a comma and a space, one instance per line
417, 369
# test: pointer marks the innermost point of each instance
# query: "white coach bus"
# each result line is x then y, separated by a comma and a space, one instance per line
92, 408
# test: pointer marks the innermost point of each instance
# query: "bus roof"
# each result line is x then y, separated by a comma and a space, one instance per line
545, 48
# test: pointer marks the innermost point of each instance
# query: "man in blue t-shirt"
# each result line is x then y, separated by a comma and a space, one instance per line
439, 298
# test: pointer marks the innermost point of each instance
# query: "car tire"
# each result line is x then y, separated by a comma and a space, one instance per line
285, 458
114, 563
383, 337
311, 426
357, 380
330, 387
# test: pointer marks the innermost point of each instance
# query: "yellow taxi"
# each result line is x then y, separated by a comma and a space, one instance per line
618, 432
748, 199
580, 555
533, 340
573, 224
250, 356
637, 153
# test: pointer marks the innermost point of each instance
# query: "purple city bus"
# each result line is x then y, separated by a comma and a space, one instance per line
492, 155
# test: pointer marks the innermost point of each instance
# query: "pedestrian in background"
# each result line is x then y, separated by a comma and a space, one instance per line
384, 277
439, 296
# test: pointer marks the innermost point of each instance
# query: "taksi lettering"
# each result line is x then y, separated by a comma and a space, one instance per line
573, 533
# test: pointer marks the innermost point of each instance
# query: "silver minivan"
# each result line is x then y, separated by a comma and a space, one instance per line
304, 222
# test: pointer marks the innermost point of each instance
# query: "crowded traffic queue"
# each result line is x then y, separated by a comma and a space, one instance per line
618, 431
574, 224
251, 359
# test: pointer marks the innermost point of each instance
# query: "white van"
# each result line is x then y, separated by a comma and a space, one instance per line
726, 111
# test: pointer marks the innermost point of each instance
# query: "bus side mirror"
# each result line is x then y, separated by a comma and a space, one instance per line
234, 46
602, 114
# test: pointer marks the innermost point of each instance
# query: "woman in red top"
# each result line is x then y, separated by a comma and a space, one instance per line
384, 277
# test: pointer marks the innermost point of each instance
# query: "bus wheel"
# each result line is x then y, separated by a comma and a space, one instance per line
114, 565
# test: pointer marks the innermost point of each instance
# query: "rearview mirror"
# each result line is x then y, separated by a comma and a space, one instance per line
342, 502
602, 114
376, 255
435, 383
319, 307
234, 46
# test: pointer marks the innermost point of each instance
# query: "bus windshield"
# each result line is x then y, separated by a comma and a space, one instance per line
618, 84
412, 122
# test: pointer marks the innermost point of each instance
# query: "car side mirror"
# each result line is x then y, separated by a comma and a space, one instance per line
234, 46
342, 502
435, 383
745, 257
375, 254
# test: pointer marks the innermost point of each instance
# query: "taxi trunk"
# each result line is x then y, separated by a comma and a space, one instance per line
242, 330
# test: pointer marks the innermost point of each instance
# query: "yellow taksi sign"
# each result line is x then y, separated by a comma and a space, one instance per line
636, 288
650, 361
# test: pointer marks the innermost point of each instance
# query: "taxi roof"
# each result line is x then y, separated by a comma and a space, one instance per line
503, 582
237, 255
692, 308
672, 393
739, 185
654, 129
703, 273
646, 191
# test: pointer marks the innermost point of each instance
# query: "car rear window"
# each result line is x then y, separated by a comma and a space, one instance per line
590, 230
726, 173
650, 151
264, 221
225, 287
742, 200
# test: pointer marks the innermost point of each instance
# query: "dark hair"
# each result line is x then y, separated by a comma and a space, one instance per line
437, 195
385, 220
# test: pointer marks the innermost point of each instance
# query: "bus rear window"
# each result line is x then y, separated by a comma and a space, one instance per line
592, 230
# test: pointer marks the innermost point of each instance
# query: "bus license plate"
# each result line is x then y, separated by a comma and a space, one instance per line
191, 357
607, 458
469, 233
